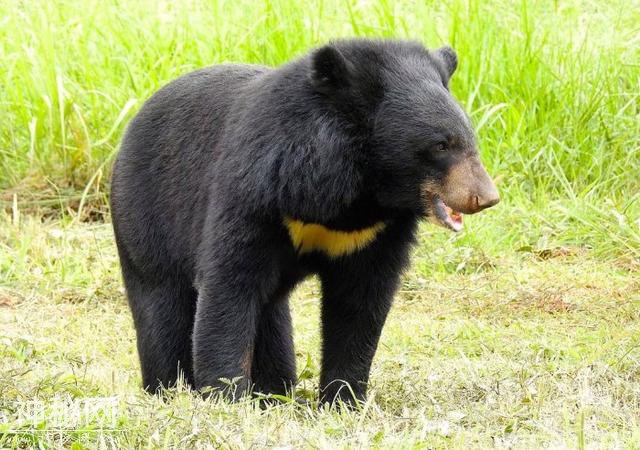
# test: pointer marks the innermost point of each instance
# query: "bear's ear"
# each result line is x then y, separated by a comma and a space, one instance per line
330, 70
447, 59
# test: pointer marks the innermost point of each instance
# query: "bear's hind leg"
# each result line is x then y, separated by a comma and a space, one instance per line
163, 315
274, 364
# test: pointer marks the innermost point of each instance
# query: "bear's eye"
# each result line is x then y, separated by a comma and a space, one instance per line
440, 147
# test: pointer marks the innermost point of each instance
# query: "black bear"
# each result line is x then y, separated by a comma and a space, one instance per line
235, 182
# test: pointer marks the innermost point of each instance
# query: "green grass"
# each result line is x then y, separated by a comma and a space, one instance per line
514, 350
553, 87
522, 331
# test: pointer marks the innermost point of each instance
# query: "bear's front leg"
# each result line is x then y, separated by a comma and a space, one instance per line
223, 340
274, 359
235, 281
356, 300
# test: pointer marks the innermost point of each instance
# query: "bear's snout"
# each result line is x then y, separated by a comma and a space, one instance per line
468, 188
487, 200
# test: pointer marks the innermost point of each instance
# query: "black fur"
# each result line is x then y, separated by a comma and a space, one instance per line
215, 160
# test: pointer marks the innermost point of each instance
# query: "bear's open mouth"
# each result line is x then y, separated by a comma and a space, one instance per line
445, 216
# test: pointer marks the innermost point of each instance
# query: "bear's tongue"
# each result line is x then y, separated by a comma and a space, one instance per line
446, 216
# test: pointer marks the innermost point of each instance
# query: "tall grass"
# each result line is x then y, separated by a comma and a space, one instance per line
553, 87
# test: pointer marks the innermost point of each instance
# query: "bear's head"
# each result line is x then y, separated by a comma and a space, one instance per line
420, 145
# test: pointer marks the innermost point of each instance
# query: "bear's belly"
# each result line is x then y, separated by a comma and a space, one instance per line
310, 237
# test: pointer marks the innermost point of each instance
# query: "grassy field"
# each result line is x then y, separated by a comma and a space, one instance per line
516, 350
523, 331
553, 88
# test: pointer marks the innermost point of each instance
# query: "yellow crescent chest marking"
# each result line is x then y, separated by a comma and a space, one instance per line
307, 237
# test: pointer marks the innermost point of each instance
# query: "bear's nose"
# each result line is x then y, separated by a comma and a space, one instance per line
486, 201
469, 178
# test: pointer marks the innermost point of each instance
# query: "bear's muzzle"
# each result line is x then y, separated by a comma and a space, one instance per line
466, 189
